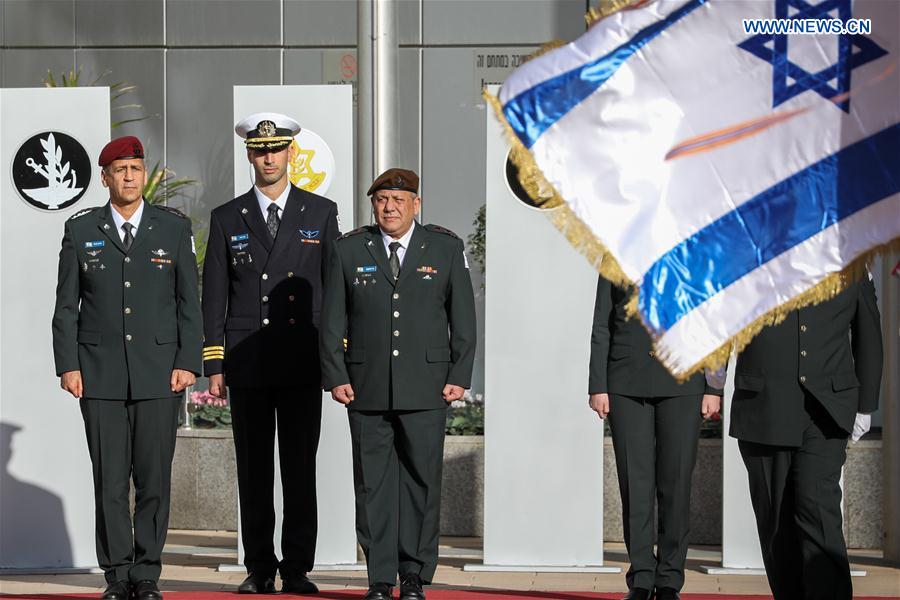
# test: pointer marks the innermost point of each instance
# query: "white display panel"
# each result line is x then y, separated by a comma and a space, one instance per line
543, 445
46, 490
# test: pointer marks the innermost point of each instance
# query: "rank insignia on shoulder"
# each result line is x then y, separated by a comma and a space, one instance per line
95, 244
439, 229
81, 213
354, 232
174, 211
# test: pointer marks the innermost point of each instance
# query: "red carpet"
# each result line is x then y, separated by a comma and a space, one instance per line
432, 595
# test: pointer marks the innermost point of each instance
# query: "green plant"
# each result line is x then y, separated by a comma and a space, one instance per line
466, 416
208, 411
117, 90
477, 239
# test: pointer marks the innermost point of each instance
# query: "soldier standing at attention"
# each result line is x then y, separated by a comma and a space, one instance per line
127, 336
262, 294
799, 388
655, 423
401, 295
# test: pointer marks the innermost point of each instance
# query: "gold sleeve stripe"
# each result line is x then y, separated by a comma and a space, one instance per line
211, 352
213, 348
205, 358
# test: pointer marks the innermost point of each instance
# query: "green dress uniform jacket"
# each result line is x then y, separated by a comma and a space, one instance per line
127, 318
810, 353
622, 357
399, 354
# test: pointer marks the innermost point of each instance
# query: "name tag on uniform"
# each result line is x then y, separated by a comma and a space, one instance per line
240, 237
95, 244
366, 269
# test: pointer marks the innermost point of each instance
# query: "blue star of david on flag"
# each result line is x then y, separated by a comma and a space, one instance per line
853, 51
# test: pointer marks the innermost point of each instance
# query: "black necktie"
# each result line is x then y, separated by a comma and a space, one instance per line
129, 237
394, 259
273, 221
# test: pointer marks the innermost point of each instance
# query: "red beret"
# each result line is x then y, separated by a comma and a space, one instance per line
119, 148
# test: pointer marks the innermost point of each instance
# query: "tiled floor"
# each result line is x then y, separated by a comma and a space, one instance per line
192, 558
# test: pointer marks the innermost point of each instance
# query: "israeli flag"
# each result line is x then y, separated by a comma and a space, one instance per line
729, 176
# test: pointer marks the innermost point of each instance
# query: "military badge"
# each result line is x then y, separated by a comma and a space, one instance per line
159, 252
309, 237
95, 244
266, 129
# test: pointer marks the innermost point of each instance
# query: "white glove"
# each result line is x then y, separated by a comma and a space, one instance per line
715, 378
861, 426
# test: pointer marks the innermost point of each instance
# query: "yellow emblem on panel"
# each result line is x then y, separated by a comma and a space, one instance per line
300, 170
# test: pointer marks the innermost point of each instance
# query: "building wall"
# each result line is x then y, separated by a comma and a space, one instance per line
184, 56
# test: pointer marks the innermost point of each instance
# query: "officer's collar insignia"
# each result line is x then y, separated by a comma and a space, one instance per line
243, 211
160, 252
266, 129
106, 226
309, 234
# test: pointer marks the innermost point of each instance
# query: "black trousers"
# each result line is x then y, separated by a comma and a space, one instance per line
397, 465
298, 415
796, 496
131, 440
655, 440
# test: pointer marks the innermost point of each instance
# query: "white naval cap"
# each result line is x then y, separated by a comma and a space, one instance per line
267, 130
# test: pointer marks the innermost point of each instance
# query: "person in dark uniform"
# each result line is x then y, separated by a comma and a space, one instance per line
127, 336
401, 295
655, 423
798, 388
262, 295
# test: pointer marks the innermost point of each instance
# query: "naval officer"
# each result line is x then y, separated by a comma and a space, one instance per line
262, 295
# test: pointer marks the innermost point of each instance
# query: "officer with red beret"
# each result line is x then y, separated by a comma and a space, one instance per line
127, 340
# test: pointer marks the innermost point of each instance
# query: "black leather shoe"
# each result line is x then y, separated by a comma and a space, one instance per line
411, 587
257, 584
638, 594
297, 584
146, 590
117, 590
378, 591
667, 593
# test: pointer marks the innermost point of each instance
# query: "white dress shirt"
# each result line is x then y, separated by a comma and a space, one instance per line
404, 242
264, 202
135, 220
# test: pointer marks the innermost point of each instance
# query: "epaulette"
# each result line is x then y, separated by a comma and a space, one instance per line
439, 229
354, 232
81, 213
174, 211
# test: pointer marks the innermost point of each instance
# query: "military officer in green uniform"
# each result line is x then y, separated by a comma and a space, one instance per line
127, 339
401, 296
799, 387
655, 423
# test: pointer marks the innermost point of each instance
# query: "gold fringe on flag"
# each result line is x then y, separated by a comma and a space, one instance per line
608, 7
